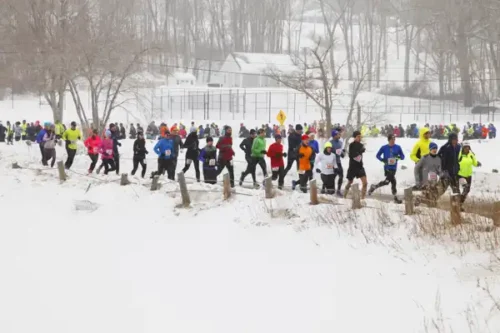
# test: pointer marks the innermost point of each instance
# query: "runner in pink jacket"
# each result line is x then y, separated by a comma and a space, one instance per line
106, 150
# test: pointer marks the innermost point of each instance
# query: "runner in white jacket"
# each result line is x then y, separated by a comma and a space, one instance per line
326, 165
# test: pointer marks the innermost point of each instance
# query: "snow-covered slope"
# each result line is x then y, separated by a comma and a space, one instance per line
105, 258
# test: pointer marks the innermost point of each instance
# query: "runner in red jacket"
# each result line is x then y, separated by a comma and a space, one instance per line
93, 143
276, 154
226, 153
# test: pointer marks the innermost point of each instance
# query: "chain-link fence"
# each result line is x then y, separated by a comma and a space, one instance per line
263, 105
253, 105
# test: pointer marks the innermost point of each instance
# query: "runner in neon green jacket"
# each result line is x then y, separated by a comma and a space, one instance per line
467, 161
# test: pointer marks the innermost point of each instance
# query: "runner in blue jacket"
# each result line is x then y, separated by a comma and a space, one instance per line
389, 154
39, 138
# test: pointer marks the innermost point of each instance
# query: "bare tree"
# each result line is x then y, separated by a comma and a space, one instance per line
39, 37
315, 80
109, 55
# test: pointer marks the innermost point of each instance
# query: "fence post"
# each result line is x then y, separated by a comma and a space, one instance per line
313, 191
62, 173
186, 201
226, 186
455, 204
268, 185
124, 179
155, 184
496, 213
356, 197
409, 203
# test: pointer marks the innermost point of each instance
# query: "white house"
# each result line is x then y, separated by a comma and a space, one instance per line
181, 79
250, 70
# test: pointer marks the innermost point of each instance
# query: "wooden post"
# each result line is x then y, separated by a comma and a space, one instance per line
186, 201
124, 179
356, 197
62, 173
155, 184
496, 213
313, 192
409, 203
455, 205
226, 183
268, 185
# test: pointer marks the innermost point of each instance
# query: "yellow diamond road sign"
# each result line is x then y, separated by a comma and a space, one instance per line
281, 117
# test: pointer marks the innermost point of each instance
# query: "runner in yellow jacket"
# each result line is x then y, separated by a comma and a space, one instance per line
421, 148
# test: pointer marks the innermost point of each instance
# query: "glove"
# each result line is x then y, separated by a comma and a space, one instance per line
162, 155
79, 138
363, 150
68, 142
318, 170
263, 152
147, 152
278, 155
336, 171
479, 164
300, 155
284, 154
119, 144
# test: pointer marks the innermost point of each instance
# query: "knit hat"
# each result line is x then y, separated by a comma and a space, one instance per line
277, 137
252, 132
466, 144
328, 144
305, 137
453, 136
433, 146
298, 127
334, 133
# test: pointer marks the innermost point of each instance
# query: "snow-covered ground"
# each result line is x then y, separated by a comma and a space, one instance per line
91, 256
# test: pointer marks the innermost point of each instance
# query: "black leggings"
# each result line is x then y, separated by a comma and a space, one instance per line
94, 158
289, 164
390, 178
109, 166
252, 166
137, 161
304, 179
229, 165
48, 154
196, 163
340, 174
328, 183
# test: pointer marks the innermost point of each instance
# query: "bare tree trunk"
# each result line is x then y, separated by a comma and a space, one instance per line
380, 47
417, 53
345, 33
463, 64
408, 42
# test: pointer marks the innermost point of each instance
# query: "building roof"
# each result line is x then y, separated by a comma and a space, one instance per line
183, 76
257, 63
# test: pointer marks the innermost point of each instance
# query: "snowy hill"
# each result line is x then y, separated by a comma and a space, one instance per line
89, 255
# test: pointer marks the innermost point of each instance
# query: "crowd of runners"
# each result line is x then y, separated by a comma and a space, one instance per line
436, 168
